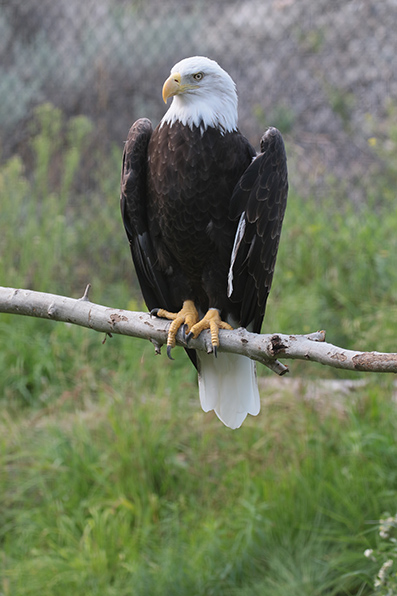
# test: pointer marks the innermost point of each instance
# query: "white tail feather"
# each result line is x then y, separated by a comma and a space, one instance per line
228, 385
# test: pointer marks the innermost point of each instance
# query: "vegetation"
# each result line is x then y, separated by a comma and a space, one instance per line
112, 480
386, 580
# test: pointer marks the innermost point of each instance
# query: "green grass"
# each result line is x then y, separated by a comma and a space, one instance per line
117, 492
113, 481
336, 271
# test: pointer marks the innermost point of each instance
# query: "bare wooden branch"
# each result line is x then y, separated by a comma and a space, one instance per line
265, 348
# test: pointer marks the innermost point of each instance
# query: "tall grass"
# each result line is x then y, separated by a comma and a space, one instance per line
112, 480
336, 270
121, 494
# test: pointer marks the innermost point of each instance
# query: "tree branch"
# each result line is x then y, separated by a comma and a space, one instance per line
265, 348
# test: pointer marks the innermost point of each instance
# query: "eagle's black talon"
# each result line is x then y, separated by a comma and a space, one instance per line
189, 337
215, 350
169, 348
153, 312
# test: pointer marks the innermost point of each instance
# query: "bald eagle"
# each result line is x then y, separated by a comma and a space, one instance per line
203, 215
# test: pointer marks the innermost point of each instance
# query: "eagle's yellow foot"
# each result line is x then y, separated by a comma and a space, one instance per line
187, 316
212, 321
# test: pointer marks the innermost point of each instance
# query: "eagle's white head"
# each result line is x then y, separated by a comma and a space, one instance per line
203, 95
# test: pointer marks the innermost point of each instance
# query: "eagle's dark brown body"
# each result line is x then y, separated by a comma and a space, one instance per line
189, 221
183, 194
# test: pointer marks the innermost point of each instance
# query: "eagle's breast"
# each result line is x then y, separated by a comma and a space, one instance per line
191, 177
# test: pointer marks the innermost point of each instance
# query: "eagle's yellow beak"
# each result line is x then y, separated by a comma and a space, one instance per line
172, 86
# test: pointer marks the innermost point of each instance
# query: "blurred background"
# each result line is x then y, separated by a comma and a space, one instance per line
112, 479
75, 75
323, 72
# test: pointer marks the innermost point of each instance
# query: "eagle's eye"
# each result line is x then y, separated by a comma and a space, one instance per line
198, 76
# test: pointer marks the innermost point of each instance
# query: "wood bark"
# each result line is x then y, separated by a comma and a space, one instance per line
264, 348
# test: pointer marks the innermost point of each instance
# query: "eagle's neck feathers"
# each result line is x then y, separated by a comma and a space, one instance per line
204, 110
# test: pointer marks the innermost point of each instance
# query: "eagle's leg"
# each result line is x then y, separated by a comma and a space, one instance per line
212, 321
187, 316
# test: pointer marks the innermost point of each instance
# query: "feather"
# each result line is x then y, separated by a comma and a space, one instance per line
227, 385
237, 241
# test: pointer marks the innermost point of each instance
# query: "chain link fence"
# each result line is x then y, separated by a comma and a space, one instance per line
323, 72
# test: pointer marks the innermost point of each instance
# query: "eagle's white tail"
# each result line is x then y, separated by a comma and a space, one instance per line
228, 385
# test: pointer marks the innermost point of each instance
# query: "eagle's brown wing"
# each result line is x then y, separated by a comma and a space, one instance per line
258, 202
